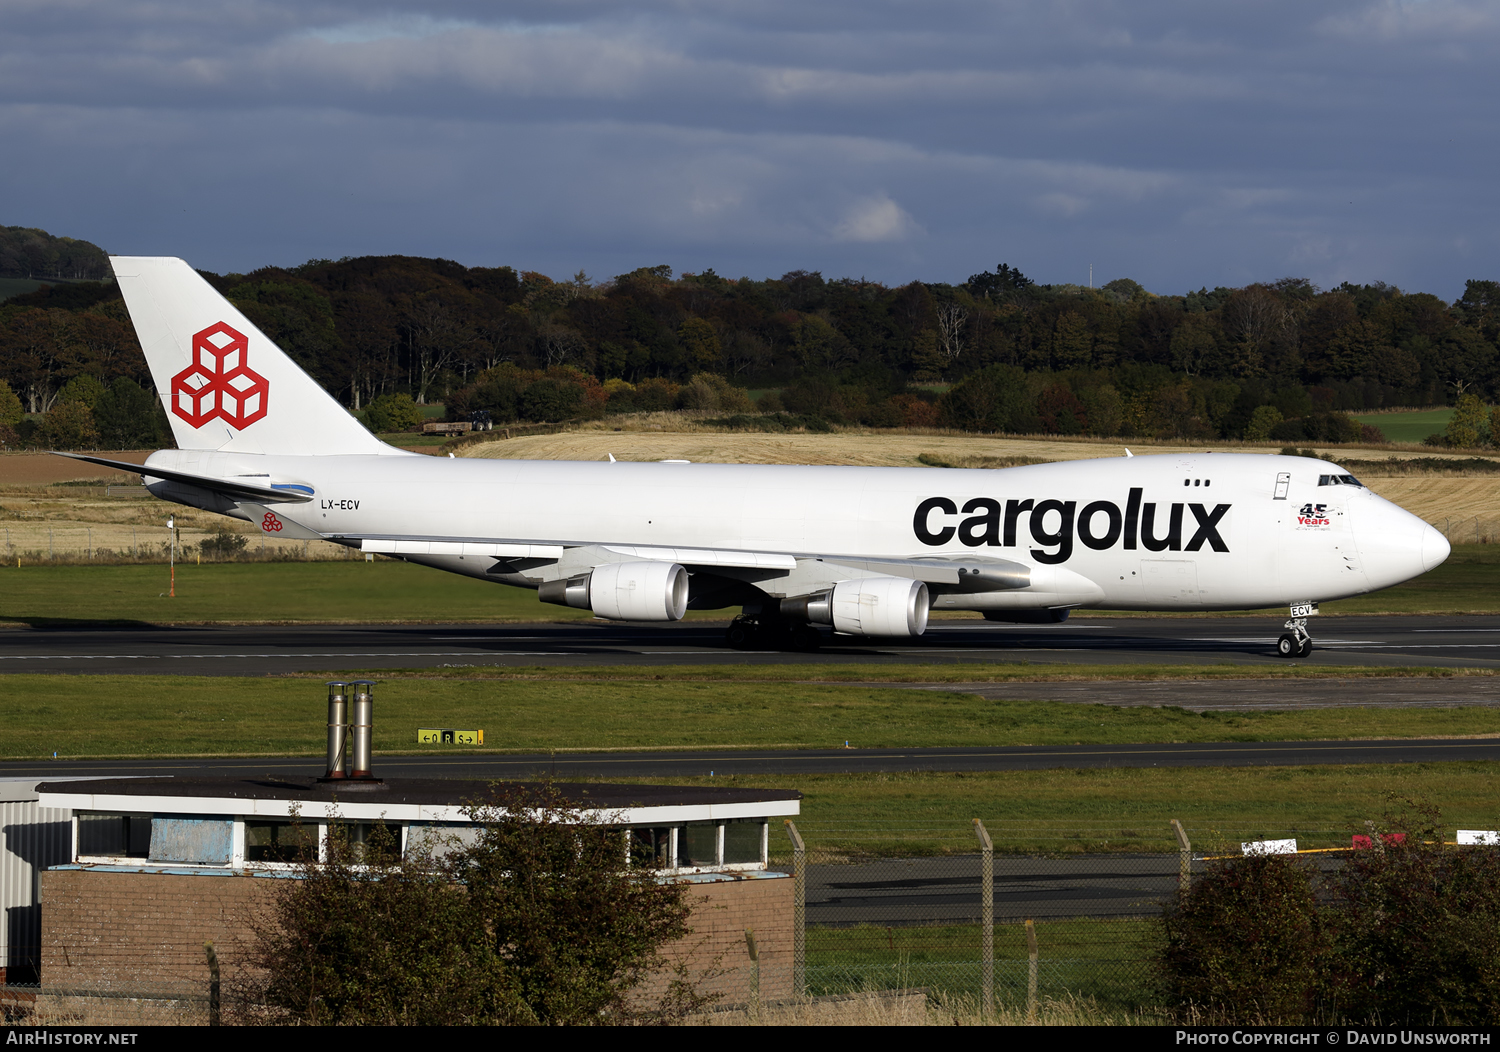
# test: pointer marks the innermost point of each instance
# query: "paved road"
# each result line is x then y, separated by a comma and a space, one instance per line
269, 650
946, 890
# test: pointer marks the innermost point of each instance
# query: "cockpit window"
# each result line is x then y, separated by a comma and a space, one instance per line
1339, 480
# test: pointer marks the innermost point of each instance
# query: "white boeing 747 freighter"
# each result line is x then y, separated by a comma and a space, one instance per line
865, 551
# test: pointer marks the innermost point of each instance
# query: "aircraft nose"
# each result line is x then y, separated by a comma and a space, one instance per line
1435, 548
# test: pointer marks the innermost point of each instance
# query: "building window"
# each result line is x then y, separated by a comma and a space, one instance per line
698, 845
651, 847
743, 841
114, 836
280, 841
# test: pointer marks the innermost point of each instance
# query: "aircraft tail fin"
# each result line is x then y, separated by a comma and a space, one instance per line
224, 383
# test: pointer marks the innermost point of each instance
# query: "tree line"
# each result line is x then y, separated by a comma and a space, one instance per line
1280, 360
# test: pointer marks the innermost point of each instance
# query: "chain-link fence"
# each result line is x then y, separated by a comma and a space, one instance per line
40, 542
1470, 529
1004, 915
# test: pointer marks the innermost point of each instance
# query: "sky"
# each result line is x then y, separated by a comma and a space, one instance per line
1177, 143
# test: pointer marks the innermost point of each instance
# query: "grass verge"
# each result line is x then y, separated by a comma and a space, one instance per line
94, 716
355, 591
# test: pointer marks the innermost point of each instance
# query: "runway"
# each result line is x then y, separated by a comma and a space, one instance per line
256, 650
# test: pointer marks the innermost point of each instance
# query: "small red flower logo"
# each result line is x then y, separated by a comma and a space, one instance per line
219, 385
271, 524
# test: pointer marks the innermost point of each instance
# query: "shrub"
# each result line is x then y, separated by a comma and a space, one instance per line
1246, 943
70, 425
1419, 928
223, 543
535, 921
368, 938
392, 412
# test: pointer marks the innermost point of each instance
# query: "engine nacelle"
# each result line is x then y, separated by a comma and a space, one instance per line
642, 591
880, 606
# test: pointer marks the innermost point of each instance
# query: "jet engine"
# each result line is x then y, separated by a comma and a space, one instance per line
874, 606
638, 591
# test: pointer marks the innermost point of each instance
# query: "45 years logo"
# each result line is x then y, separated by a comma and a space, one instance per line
1313, 516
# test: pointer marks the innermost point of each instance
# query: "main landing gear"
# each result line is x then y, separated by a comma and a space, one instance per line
744, 633
1297, 641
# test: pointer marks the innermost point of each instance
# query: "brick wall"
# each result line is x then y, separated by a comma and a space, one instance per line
717, 950
145, 931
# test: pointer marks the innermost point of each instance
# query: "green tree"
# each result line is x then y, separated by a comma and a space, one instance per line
392, 412
700, 343
1261, 421
83, 388
11, 409
1466, 425
576, 928
130, 417
70, 425
537, 920
368, 938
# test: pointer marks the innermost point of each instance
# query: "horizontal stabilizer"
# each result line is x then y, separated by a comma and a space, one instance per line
234, 489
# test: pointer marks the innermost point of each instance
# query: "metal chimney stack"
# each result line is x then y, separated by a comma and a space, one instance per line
361, 724
338, 731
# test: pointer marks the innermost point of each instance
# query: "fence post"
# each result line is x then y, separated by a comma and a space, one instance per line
799, 911
987, 912
1031, 962
754, 973
1185, 877
213, 983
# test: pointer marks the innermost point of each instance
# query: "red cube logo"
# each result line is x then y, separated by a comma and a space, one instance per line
219, 385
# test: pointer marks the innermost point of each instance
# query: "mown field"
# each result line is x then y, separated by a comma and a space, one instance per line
94, 716
355, 591
1412, 426
1057, 811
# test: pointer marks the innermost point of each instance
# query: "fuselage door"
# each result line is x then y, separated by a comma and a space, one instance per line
1283, 481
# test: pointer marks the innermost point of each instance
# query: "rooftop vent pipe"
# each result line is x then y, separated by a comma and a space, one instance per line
362, 729
338, 731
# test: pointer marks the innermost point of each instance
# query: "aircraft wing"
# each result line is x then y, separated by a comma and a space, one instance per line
803, 572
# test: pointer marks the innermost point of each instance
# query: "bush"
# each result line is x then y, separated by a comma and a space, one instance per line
1419, 928
392, 412
1408, 932
536, 921
70, 425
370, 939
223, 543
1246, 943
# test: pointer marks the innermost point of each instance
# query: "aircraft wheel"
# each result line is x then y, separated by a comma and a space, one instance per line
1305, 649
1287, 647
738, 636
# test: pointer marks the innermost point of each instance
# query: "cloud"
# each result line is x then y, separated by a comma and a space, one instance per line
1174, 142
875, 218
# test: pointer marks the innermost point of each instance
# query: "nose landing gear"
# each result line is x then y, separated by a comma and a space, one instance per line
1296, 642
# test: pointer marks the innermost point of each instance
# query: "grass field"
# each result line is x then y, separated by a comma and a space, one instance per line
18, 287
354, 591
351, 590
1105, 961
80, 716
1411, 426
